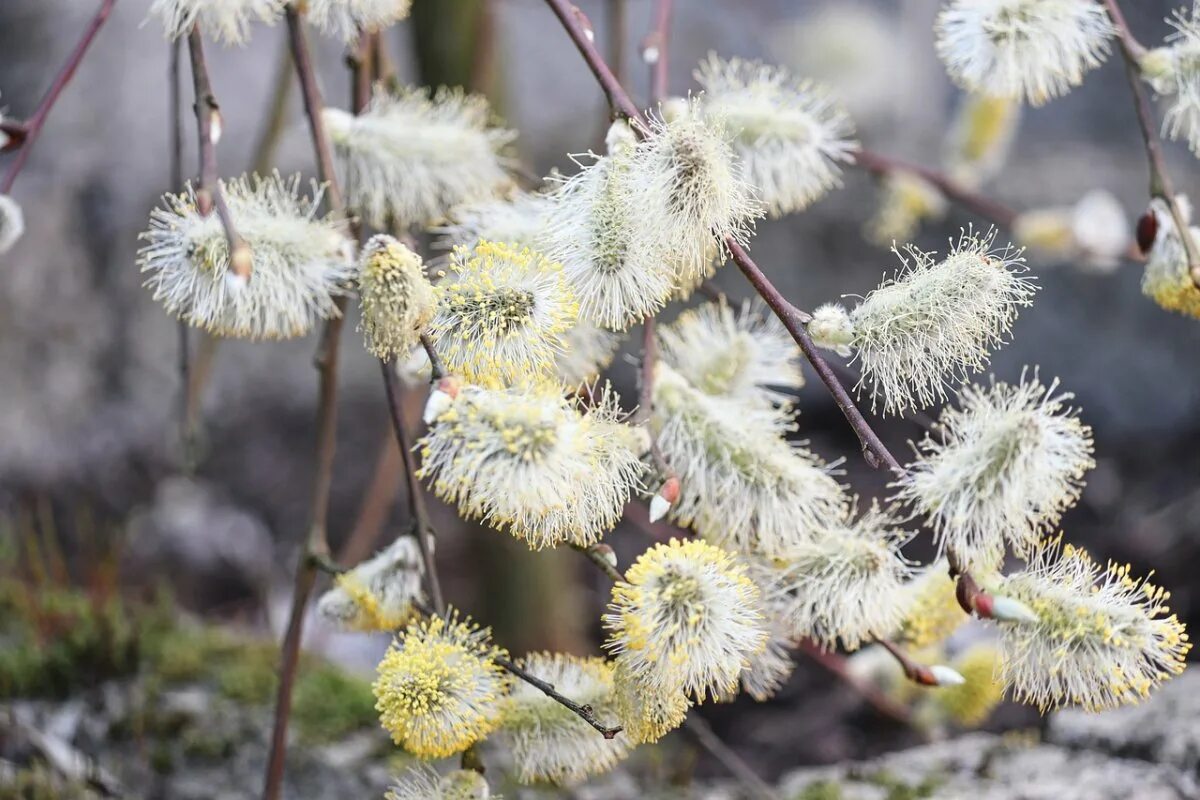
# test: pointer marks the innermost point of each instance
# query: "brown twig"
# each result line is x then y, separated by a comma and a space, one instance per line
437, 370
175, 110
326, 362
26, 134
599, 559
208, 125
618, 24
704, 736
881, 165
585, 712
913, 670
1160, 182
836, 664
659, 41
416, 500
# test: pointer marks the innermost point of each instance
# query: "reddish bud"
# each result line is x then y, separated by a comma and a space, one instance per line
1147, 230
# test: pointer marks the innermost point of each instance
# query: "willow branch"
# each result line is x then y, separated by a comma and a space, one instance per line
416, 499
326, 362
881, 165
1160, 180
794, 320
704, 736
183, 345
600, 561
836, 664
24, 135
585, 712
437, 369
208, 124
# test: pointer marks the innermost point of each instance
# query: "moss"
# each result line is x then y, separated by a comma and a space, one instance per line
39, 782
58, 639
331, 703
821, 790
901, 790
248, 674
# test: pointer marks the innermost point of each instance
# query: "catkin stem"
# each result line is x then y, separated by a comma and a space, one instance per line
326, 362
1160, 181
27, 133
209, 196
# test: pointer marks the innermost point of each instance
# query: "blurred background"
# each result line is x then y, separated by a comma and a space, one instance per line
97, 493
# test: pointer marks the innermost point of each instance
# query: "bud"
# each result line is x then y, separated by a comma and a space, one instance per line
216, 126
1147, 231
1158, 68
620, 137
241, 262
831, 328
440, 399
945, 676
607, 553
12, 223
584, 23
1006, 609
650, 54
661, 503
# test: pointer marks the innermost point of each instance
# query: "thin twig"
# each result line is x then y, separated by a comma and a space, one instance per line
836, 664
704, 736
1160, 181
326, 362
175, 110
659, 42
913, 670
416, 499
27, 133
584, 712
209, 124
277, 117
881, 165
598, 558
437, 370
618, 17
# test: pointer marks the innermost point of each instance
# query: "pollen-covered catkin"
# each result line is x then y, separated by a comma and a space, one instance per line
931, 324
1174, 72
397, 299
978, 142
604, 232
647, 712
412, 156
999, 470
379, 593
1167, 278
687, 616
932, 610
422, 782
789, 135
226, 21
687, 160
743, 486
530, 462
1034, 50
439, 689
746, 355
300, 262
549, 742
1102, 638
502, 315
845, 584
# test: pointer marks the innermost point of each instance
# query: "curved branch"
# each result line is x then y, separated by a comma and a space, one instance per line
24, 135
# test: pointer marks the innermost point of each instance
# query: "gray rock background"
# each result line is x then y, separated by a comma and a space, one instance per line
88, 381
